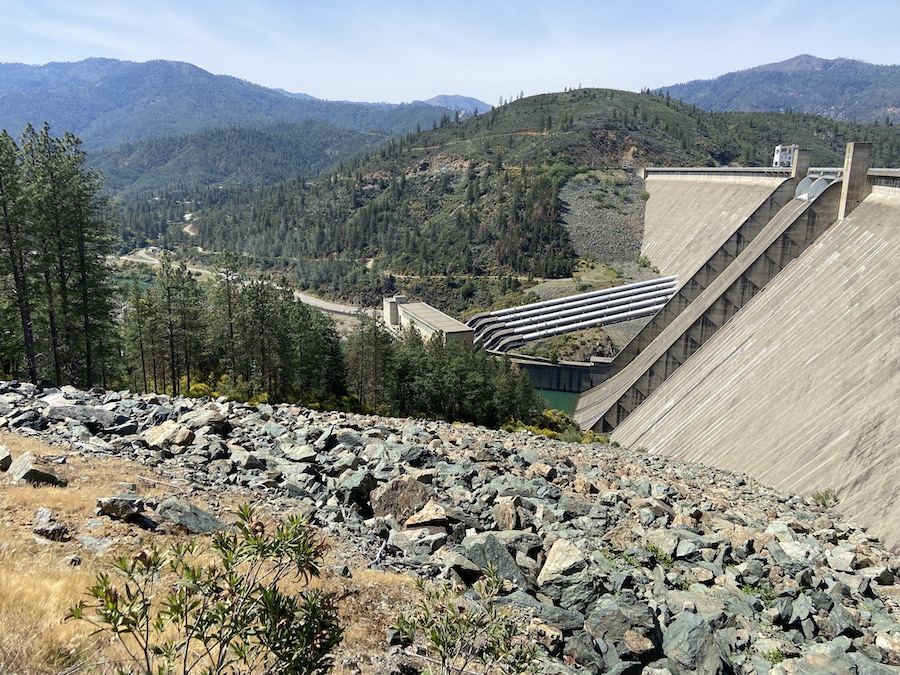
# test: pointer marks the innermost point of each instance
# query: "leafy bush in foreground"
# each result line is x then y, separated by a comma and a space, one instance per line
220, 607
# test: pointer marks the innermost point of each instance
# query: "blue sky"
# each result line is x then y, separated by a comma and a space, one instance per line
371, 50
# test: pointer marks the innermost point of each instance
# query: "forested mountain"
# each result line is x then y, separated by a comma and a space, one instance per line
841, 89
106, 102
459, 213
232, 156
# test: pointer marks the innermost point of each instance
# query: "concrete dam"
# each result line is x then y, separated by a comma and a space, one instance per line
779, 353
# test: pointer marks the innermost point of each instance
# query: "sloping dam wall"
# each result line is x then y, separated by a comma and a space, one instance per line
799, 388
692, 212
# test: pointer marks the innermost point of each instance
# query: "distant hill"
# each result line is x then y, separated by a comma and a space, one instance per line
464, 103
455, 214
300, 95
106, 102
841, 89
232, 157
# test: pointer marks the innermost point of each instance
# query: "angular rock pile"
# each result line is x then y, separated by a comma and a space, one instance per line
622, 562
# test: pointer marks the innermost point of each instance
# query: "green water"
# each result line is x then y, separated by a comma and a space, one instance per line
559, 400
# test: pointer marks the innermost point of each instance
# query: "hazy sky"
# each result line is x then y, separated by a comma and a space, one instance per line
398, 50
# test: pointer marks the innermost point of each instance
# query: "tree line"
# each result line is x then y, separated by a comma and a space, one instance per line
412, 376
56, 320
248, 338
241, 336
64, 321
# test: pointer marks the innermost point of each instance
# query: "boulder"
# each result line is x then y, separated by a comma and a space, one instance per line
91, 417
28, 468
120, 506
356, 488
564, 559
168, 433
491, 551
626, 628
206, 417
691, 643
46, 526
400, 497
431, 513
186, 515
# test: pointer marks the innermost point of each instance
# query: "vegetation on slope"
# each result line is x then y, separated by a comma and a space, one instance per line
475, 203
243, 157
841, 89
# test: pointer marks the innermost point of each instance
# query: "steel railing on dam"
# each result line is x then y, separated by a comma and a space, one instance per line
505, 329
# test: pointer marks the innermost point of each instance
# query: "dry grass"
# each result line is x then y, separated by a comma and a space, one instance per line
38, 584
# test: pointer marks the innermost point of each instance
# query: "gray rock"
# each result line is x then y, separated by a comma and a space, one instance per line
490, 550
46, 526
127, 428
206, 417
28, 468
274, 430
169, 433
828, 658
96, 545
579, 647
400, 497
417, 541
866, 666
356, 488
690, 642
627, 628
5, 458
564, 559
566, 620
121, 506
91, 417
302, 454
246, 460
188, 516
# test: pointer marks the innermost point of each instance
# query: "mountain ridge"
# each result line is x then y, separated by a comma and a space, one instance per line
107, 102
841, 89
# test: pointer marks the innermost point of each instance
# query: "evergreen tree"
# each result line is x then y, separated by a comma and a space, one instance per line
14, 247
54, 241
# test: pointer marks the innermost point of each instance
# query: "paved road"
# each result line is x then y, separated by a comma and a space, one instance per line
145, 257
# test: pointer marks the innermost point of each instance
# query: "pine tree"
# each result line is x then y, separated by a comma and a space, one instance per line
55, 239
14, 247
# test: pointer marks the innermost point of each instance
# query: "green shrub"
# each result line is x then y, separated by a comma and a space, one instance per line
199, 390
659, 555
220, 607
825, 498
774, 656
459, 632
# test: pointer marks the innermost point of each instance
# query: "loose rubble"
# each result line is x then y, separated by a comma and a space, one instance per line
618, 561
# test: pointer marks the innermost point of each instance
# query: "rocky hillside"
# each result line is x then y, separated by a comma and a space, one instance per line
615, 561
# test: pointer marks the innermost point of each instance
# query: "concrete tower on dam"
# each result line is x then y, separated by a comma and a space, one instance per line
779, 355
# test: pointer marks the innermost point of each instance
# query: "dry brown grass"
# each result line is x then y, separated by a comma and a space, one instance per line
38, 585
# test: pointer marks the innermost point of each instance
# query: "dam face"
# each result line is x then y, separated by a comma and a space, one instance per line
798, 387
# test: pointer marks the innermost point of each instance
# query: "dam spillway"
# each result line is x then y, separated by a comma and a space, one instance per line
798, 387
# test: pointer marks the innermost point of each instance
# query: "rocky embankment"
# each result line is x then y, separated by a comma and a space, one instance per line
617, 561
605, 221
